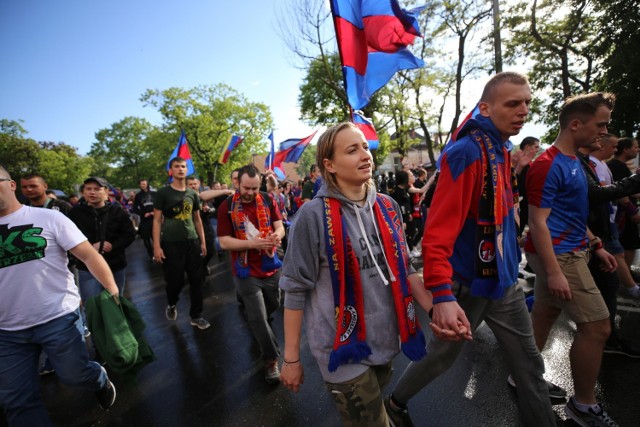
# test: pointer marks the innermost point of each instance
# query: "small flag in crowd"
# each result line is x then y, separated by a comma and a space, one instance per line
292, 149
366, 126
182, 150
232, 143
372, 39
268, 162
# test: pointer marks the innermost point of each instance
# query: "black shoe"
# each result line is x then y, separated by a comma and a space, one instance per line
621, 347
397, 417
107, 395
555, 391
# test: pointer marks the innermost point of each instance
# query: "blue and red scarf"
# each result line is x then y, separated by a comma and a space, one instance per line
270, 260
350, 344
491, 277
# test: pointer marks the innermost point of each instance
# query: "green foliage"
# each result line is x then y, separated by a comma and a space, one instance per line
12, 127
210, 115
62, 167
620, 38
558, 38
58, 163
307, 159
18, 155
127, 151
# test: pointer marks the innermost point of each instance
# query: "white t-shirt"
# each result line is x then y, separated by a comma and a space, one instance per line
35, 284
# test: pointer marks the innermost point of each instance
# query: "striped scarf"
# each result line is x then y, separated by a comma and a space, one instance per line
270, 260
350, 344
490, 272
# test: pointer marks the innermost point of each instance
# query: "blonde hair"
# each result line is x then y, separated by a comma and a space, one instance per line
326, 150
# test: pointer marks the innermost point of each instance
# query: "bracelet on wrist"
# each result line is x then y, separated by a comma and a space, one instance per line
595, 244
290, 363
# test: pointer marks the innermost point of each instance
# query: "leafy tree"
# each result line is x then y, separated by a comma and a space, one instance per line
210, 115
18, 155
62, 167
12, 127
618, 41
558, 38
126, 152
305, 161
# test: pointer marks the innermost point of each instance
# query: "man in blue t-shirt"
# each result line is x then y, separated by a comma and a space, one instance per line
557, 249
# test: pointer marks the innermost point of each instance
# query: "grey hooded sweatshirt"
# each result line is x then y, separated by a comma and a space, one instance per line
307, 284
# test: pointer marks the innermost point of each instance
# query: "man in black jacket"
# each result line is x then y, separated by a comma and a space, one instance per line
143, 207
108, 228
601, 226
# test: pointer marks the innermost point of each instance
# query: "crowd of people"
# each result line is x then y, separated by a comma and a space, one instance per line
336, 251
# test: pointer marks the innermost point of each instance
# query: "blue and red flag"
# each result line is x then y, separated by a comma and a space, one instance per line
232, 143
268, 162
182, 150
366, 126
292, 149
372, 39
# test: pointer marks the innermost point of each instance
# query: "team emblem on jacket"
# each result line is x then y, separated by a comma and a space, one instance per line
349, 321
486, 251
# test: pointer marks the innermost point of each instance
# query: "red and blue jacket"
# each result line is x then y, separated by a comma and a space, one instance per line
449, 244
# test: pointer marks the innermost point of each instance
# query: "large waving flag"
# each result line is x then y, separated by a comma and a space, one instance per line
292, 149
232, 143
373, 36
366, 126
182, 150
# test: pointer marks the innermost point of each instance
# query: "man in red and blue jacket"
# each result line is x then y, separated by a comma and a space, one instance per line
471, 254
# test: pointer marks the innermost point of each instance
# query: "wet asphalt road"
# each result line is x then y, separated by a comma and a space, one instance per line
214, 377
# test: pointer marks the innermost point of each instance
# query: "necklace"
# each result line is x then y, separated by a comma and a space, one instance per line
359, 200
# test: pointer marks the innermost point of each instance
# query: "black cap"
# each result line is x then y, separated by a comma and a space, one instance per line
100, 181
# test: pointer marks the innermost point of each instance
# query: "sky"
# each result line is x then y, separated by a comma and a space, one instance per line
73, 67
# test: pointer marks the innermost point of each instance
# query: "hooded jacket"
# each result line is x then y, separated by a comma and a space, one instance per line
110, 223
449, 249
307, 284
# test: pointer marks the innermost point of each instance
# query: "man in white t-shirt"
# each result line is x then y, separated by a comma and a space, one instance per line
39, 307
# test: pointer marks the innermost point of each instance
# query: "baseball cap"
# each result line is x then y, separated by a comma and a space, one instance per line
96, 179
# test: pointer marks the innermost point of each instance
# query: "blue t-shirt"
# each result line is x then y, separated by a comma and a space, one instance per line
557, 182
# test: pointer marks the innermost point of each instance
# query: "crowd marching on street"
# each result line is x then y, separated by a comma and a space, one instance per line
336, 254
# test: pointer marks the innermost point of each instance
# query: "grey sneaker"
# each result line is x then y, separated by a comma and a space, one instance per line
555, 391
397, 417
271, 371
171, 312
200, 323
107, 395
589, 419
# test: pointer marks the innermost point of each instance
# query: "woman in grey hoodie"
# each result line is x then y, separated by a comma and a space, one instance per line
347, 270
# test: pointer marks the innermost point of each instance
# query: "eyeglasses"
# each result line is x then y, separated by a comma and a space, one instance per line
5, 179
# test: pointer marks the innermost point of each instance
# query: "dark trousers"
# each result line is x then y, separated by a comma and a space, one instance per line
181, 257
144, 230
608, 284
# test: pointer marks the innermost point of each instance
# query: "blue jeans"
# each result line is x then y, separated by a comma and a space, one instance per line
19, 380
90, 287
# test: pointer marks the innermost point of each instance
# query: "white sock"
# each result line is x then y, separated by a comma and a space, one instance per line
584, 407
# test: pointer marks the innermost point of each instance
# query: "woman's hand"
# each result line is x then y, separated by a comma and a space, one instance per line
292, 375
